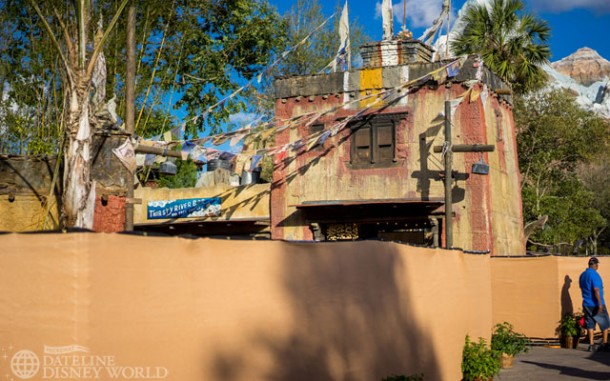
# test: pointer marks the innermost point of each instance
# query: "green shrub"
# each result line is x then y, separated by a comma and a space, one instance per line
478, 361
505, 340
568, 326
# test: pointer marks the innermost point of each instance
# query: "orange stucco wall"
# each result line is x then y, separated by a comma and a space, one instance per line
240, 310
258, 310
533, 293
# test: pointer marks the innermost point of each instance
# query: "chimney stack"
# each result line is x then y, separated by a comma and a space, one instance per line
395, 52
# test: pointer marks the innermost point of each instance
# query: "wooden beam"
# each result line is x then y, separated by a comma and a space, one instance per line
157, 151
468, 148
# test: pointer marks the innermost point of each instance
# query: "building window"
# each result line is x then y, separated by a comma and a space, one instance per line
314, 129
373, 141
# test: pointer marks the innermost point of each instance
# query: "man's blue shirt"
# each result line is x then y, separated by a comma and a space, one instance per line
589, 280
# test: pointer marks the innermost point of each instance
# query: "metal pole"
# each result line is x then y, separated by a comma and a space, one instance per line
448, 179
129, 103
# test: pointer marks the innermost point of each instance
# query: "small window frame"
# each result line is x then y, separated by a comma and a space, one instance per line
374, 124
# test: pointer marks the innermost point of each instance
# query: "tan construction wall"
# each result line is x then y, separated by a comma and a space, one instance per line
533, 293
177, 309
110, 306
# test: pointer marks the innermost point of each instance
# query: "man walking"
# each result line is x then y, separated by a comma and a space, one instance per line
593, 303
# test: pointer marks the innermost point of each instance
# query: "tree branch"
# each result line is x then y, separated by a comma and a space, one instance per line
64, 30
99, 46
53, 40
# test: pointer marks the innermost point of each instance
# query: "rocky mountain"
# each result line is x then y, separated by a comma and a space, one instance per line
587, 74
585, 66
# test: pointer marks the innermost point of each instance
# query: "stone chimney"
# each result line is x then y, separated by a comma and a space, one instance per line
395, 52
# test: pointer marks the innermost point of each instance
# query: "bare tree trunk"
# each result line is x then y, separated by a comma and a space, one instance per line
79, 192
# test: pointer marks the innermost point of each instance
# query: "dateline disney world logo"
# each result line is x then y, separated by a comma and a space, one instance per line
72, 362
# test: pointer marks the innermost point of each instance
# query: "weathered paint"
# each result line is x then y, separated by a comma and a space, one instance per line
249, 201
26, 212
25, 196
109, 214
487, 208
371, 82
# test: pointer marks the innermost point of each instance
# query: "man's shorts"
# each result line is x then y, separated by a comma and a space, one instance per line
602, 319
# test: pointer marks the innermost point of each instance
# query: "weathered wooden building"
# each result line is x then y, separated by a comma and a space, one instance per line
378, 176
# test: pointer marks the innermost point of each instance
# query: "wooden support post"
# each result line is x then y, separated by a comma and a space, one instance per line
448, 178
447, 148
130, 82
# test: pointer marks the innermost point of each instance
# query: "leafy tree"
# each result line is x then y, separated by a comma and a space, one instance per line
595, 178
321, 48
554, 139
511, 42
195, 51
185, 177
30, 95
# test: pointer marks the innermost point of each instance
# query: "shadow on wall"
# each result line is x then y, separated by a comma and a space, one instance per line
566, 300
352, 321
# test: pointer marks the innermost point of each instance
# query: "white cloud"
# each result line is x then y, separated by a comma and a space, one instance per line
568, 5
420, 14
242, 118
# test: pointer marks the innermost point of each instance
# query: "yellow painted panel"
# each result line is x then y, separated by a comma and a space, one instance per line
251, 201
371, 82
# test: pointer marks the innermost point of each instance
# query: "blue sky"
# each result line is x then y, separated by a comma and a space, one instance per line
574, 23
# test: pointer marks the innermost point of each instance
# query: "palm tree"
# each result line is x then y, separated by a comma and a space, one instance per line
512, 43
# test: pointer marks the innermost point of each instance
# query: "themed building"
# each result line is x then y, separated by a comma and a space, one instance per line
360, 154
363, 165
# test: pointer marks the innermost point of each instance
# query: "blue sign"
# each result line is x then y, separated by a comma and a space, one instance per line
184, 208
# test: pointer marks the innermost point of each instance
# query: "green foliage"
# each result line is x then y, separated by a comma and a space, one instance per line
478, 361
30, 85
568, 326
594, 176
185, 177
267, 169
223, 42
190, 55
554, 141
320, 49
511, 42
505, 340
414, 377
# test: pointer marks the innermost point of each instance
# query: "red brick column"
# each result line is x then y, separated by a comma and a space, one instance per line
109, 215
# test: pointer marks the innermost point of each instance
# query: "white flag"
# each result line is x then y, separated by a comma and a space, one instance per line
388, 20
343, 53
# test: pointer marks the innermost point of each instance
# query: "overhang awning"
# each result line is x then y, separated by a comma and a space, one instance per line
210, 220
370, 210
437, 201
